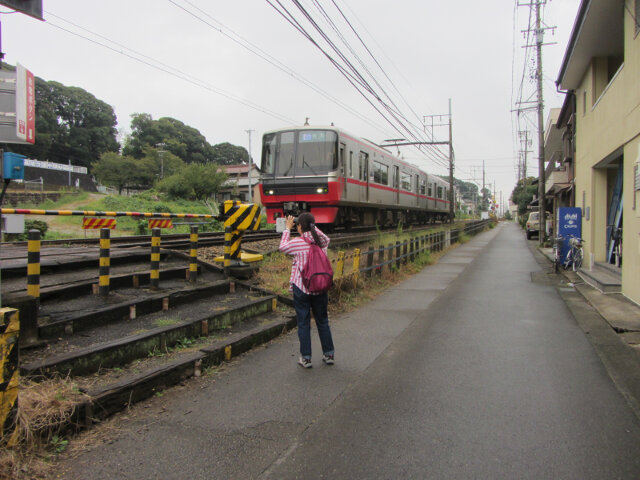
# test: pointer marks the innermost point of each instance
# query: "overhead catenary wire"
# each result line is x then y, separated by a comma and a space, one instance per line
158, 65
352, 74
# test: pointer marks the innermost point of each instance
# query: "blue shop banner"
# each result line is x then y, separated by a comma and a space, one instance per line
569, 225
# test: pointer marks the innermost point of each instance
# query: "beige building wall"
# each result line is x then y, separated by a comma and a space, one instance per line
608, 127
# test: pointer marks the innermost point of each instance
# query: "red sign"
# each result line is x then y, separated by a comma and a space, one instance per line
25, 105
160, 223
89, 223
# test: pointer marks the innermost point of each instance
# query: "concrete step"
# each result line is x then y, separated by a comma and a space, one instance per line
603, 277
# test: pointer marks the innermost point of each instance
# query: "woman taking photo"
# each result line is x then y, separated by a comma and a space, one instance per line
304, 301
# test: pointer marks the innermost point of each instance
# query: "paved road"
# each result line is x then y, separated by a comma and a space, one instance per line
463, 371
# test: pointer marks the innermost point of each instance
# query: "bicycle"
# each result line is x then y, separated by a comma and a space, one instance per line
617, 246
575, 256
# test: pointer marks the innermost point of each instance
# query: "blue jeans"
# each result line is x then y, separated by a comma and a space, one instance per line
304, 304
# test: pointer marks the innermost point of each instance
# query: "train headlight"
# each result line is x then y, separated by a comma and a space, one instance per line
270, 192
322, 190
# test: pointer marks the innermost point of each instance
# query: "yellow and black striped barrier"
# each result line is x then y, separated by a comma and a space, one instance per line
33, 264
105, 262
96, 213
238, 217
193, 254
9, 375
154, 278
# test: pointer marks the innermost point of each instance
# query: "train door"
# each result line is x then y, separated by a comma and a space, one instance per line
417, 189
396, 184
363, 170
343, 170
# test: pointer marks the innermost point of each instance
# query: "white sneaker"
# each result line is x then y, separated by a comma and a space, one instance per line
304, 362
328, 359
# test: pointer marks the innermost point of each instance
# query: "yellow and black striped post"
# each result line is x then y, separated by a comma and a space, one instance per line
154, 279
105, 262
9, 373
193, 254
238, 217
33, 265
228, 238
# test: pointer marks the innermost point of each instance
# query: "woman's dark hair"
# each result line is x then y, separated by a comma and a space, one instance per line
308, 224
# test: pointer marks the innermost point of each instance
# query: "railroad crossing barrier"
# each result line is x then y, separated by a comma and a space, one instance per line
105, 262
154, 277
238, 217
96, 213
193, 254
9, 376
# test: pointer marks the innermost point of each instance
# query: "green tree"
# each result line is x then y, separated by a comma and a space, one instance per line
227, 154
523, 194
183, 141
194, 182
122, 172
71, 125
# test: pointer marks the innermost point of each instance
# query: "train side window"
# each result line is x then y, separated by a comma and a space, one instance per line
439, 192
363, 160
423, 187
429, 190
405, 181
343, 165
380, 173
396, 175
350, 164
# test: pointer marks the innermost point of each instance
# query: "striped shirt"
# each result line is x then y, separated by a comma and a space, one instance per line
299, 249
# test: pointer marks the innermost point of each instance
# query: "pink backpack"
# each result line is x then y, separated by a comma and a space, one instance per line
317, 274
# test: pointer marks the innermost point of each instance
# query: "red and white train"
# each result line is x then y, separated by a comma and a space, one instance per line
344, 180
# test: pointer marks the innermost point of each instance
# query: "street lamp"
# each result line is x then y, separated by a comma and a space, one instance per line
161, 152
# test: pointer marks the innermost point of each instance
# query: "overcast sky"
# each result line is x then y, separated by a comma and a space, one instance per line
469, 51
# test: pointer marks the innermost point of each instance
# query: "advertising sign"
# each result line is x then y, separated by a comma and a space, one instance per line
569, 225
25, 105
17, 106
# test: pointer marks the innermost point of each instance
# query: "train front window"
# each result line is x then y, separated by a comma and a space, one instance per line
317, 152
286, 154
269, 145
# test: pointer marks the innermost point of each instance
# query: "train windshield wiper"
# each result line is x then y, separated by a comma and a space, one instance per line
304, 162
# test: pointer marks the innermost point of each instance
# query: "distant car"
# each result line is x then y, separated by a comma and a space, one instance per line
533, 224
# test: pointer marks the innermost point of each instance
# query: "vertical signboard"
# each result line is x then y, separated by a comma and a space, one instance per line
17, 106
25, 105
569, 225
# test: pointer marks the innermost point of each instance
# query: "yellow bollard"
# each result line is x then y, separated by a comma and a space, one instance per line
339, 265
356, 266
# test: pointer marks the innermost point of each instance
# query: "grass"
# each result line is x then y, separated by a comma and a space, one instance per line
42, 409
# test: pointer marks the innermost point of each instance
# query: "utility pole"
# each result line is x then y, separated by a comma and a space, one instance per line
250, 198
541, 180
539, 106
483, 187
451, 186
